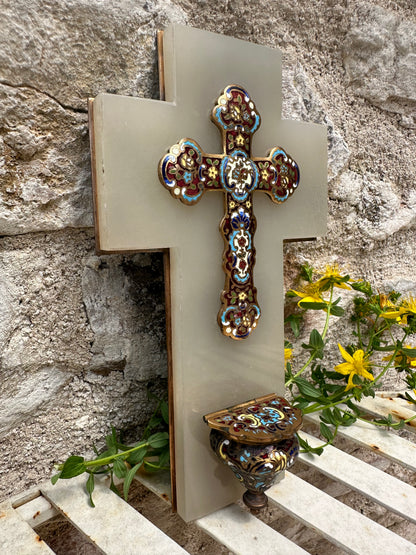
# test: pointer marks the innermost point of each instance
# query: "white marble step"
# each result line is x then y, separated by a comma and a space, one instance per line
244, 534
337, 522
375, 484
113, 525
17, 536
379, 440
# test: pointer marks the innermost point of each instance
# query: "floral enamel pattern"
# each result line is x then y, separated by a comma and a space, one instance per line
267, 420
257, 466
188, 172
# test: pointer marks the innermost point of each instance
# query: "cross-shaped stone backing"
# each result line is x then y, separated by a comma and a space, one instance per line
188, 172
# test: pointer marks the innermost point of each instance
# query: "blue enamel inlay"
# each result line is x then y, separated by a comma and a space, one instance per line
241, 220
187, 177
194, 198
194, 146
168, 158
234, 233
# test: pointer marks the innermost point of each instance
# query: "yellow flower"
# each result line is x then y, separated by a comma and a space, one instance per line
265, 175
384, 301
401, 313
309, 294
402, 359
242, 296
231, 204
332, 276
355, 365
239, 140
248, 204
288, 354
212, 172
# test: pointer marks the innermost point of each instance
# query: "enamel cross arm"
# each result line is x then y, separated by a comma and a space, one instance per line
188, 172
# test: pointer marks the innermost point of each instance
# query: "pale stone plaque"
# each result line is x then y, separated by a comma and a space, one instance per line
134, 212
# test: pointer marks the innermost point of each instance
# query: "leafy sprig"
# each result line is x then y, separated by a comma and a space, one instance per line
123, 461
381, 323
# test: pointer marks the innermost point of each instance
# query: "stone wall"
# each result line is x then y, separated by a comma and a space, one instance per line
82, 336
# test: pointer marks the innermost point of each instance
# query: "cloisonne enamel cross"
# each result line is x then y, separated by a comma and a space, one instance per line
135, 213
188, 172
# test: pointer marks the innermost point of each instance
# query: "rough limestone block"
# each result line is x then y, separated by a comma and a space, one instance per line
44, 164
302, 101
124, 300
380, 59
76, 49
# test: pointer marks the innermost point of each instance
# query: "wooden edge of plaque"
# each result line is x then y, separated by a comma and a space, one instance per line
94, 173
302, 239
161, 65
168, 310
168, 315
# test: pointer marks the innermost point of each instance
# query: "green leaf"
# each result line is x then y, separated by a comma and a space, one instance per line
362, 287
306, 272
290, 294
89, 486
315, 339
113, 487
348, 419
154, 422
334, 375
353, 407
164, 458
137, 456
410, 398
294, 320
313, 306
55, 478
151, 466
111, 441
337, 413
326, 432
329, 417
73, 466
301, 403
129, 478
387, 348
306, 389
158, 440
337, 311
308, 448
164, 409
119, 468
409, 352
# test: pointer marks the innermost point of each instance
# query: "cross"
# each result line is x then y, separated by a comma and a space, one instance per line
207, 371
188, 172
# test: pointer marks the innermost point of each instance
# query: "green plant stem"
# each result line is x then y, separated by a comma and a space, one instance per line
392, 359
380, 423
156, 466
328, 313
324, 444
324, 332
110, 458
304, 367
316, 407
360, 341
